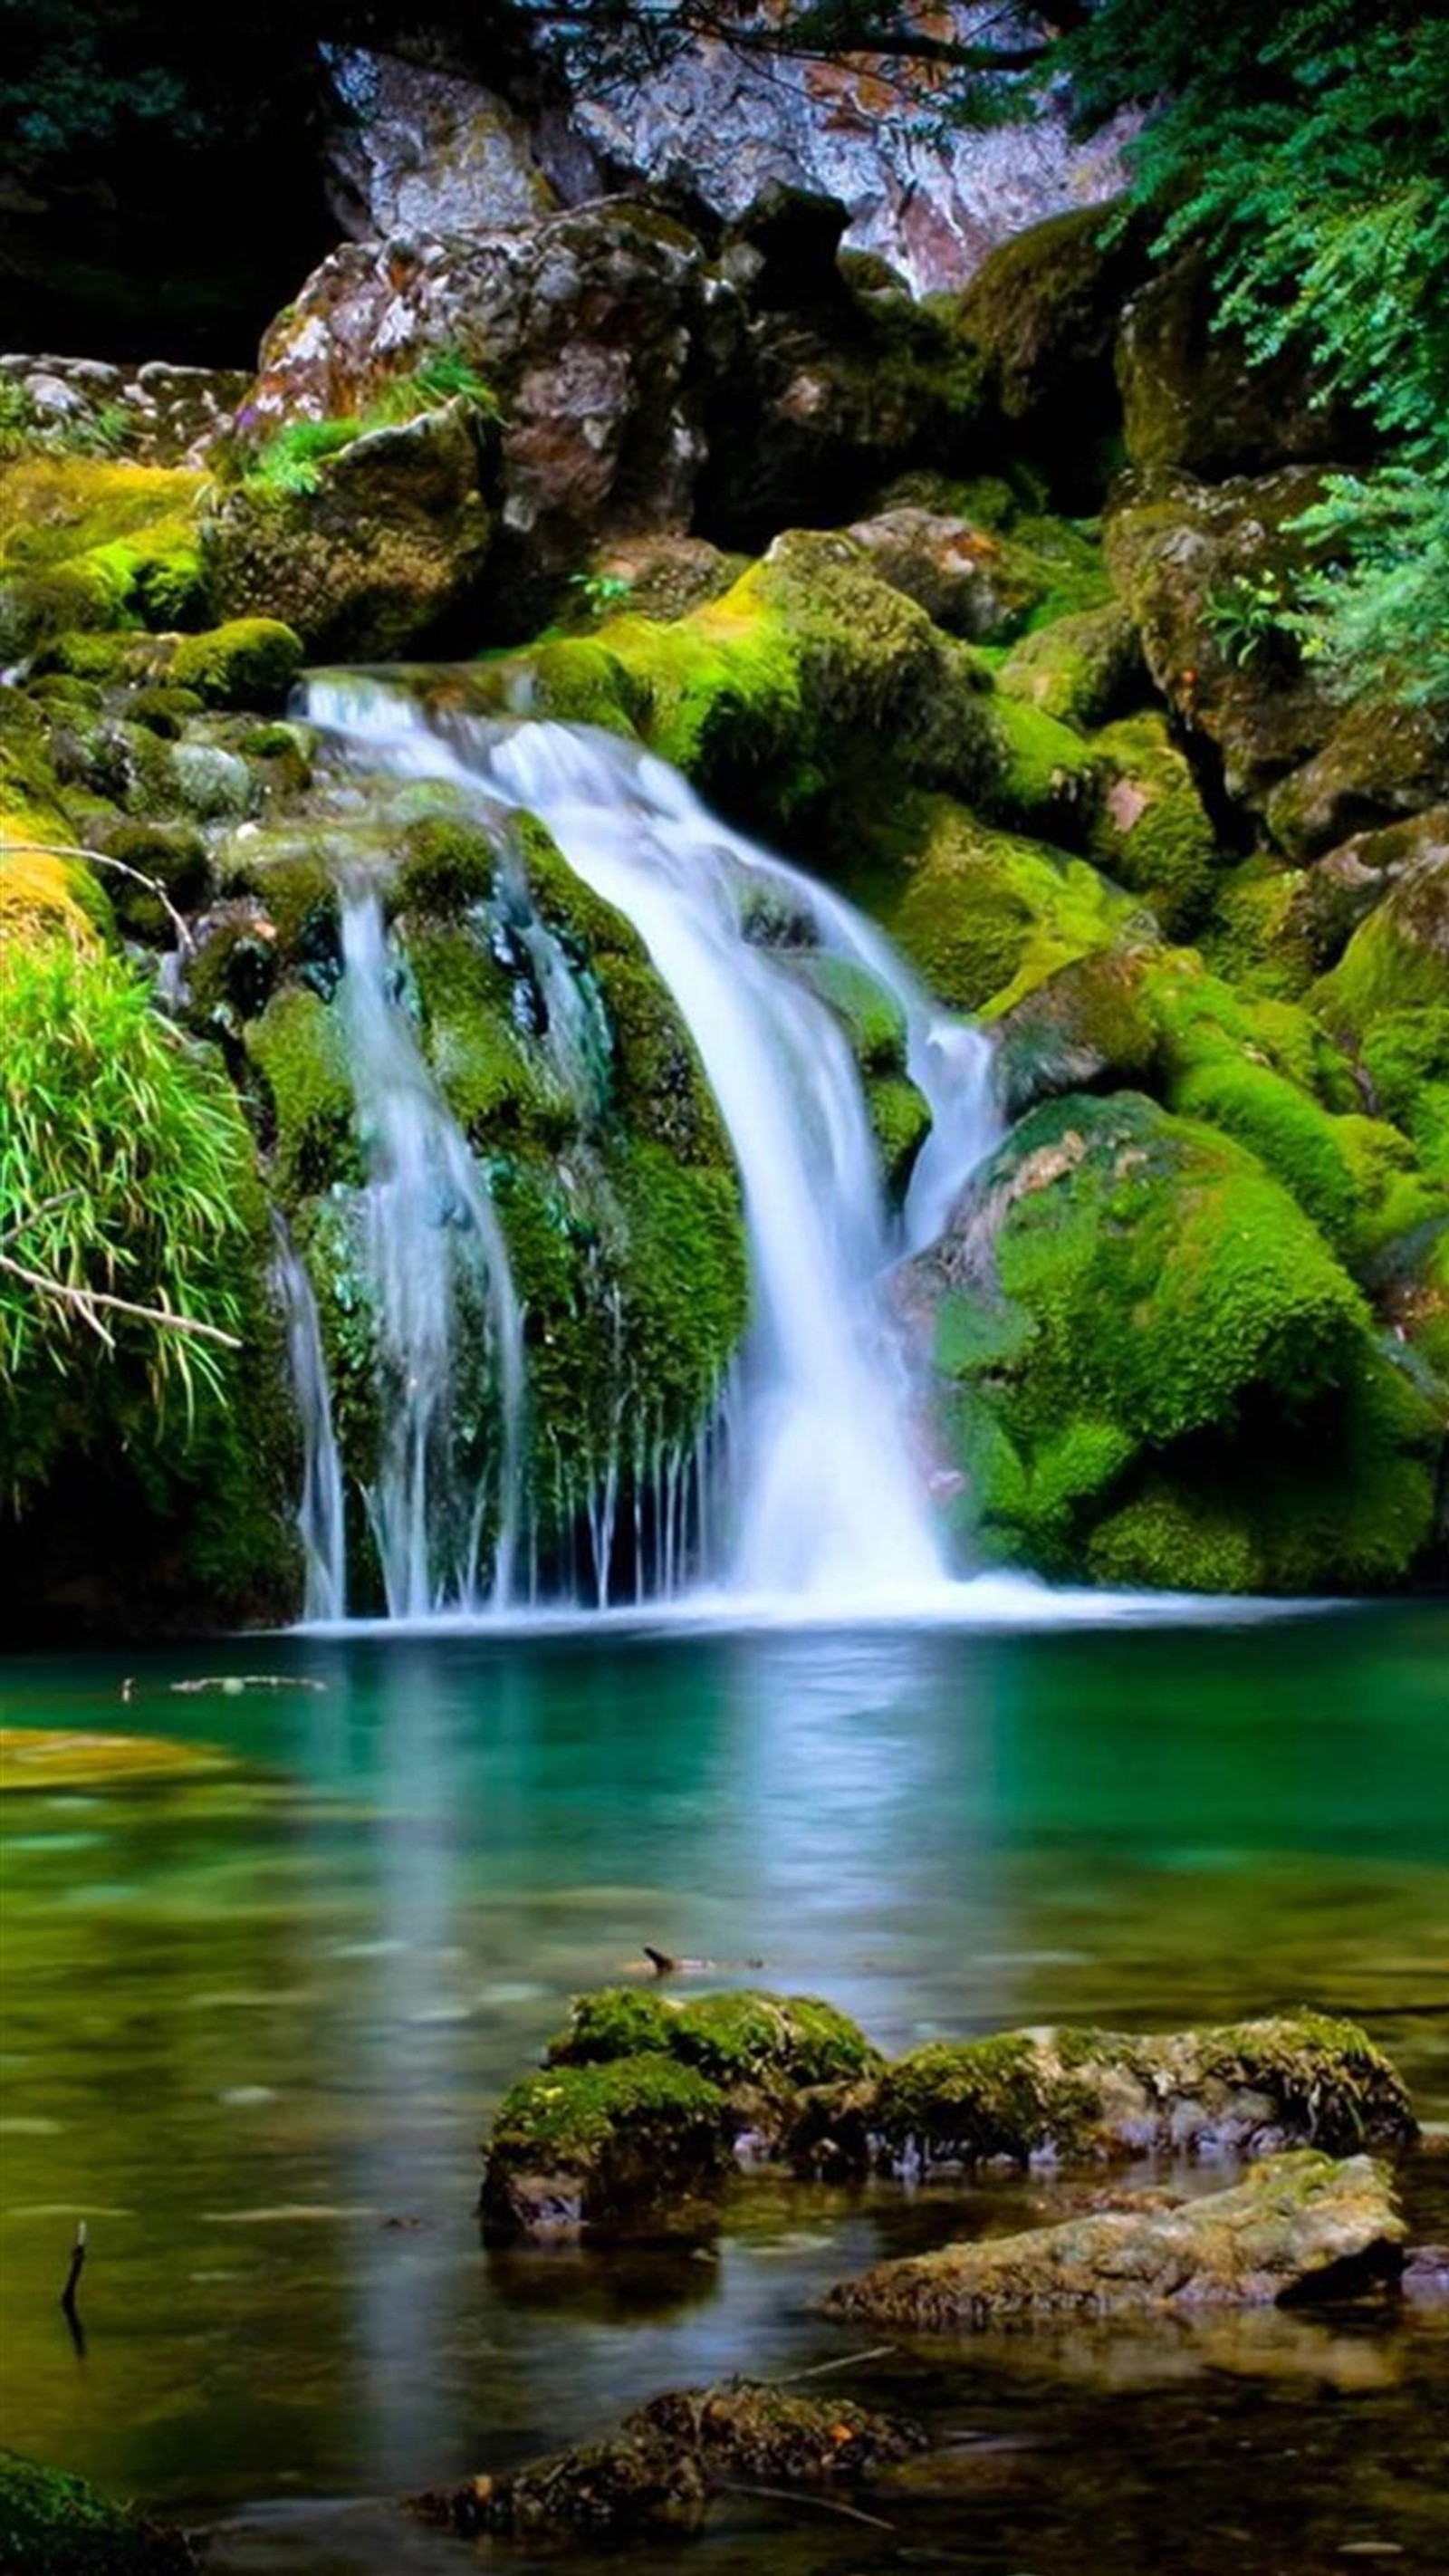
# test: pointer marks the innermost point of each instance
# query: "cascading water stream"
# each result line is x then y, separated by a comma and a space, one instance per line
829, 1502
430, 1241
320, 1516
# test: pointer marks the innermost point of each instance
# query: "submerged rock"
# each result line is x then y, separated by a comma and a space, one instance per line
1299, 2227
658, 2471
55, 2525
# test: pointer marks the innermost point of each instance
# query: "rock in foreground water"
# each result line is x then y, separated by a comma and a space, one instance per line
55, 2525
631, 2146
1299, 2227
657, 2472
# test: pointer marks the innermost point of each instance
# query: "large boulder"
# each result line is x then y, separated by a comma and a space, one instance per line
1201, 567
1382, 762
1191, 398
1338, 892
1153, 1368
1042, 310
389, 537
583, 325
417, 150
1299, 2228
638, 2144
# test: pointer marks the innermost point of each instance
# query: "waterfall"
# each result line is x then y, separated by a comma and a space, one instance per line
829, 1502
432, 1249
320, 1520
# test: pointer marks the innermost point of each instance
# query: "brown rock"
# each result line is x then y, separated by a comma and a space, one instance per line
1299, 2227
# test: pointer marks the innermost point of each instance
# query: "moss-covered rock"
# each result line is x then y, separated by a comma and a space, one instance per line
1065, 2095
636, 2144
743, 2429
630, 2486
393, 536
1382, 760
52, 2524
1042, 309
741, 2039
1300, 2227
1192, 399
1081, 669
250, 662
1149, 829
982, 915
1328, 901
1133, 1324
89, 544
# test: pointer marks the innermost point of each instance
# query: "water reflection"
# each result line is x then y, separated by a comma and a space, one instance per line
256, 2021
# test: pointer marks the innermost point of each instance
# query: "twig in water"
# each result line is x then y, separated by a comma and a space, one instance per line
842, 2361
72, 2284
797, 2495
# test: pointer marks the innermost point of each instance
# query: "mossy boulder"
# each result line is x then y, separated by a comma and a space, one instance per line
750, 2040
629, 2486
1192, 398
1198, 565
1048, 781
745, 2429
1382, 761
963, 576
634, 2145
1090, 1026
1134, 1324
393, 537
1081, 670
1150, 830
90, 544
1328, 901
1042, 310
249, 662
1299, 2228
1085, 2095
52, 2524
983, 915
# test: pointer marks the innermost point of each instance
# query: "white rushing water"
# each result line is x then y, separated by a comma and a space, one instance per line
320, 1515
830, 1495
431, 1240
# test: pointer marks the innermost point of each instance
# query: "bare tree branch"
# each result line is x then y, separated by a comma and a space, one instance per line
86, 1300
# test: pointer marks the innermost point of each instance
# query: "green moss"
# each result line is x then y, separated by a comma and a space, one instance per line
1176, 1356
984, 917
619, 2144
299, 1048
250, 662
1081, 670
969, 2101
762, 2039
1149, 829
55, 2525
500, 1084
612, 2022
1291, 1135
86, 544
1048, 780
900, 1119
1397, 960
1406, 1057
1253, 935
448, 864
868, 1013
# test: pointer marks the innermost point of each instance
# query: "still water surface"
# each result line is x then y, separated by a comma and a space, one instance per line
256, 2021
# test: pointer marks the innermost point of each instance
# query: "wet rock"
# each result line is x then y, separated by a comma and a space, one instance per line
615, 2487
627, 2147
658, 2472
1064, 2095
1300, 2227
744, 2429
55, 2525
1425, 2280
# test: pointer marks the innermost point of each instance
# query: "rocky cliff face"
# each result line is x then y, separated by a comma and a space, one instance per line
430, 152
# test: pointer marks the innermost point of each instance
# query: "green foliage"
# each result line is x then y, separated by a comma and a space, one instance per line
599, 592
124, 1167
1248, 617
1308, 151
291, 461
1378, 608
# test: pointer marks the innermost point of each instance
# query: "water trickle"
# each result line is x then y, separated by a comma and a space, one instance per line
828, 1500
449, 1329
320, 1517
